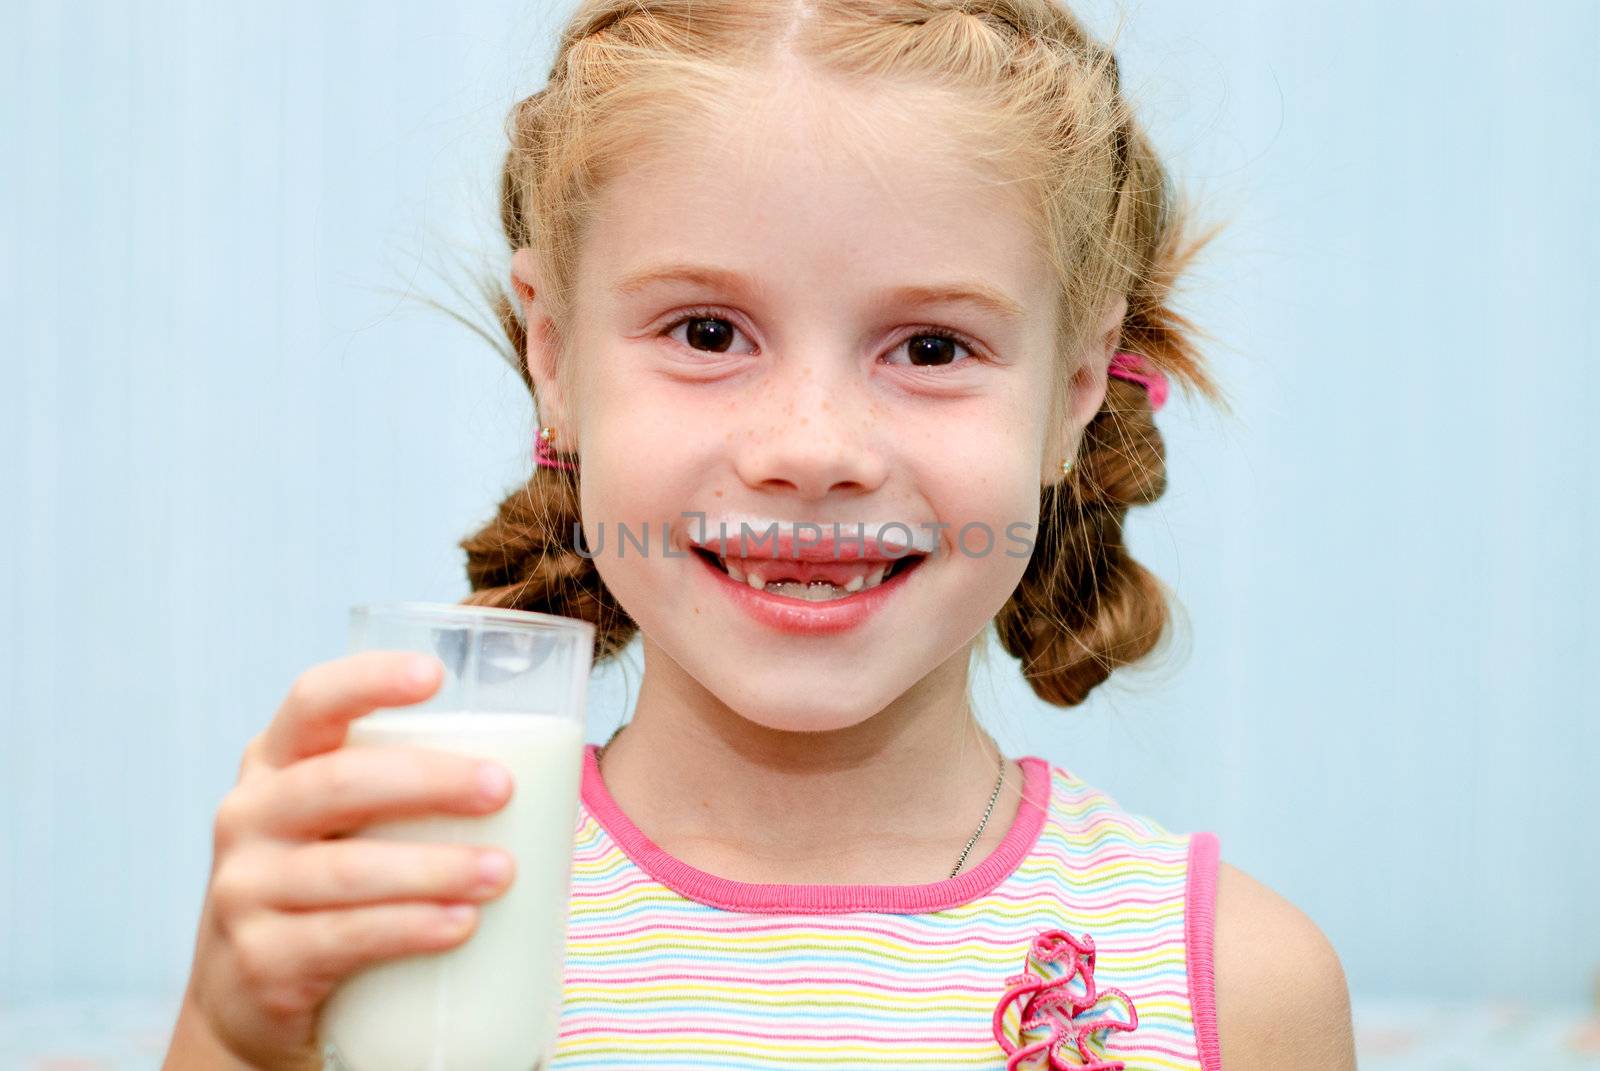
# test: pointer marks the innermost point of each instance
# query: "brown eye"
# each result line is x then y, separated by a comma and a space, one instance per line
704, 331
933, 349
707, 333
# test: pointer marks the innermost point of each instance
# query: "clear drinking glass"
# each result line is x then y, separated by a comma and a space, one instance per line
513, 691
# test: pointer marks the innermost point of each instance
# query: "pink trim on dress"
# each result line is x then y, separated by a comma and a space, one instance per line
824, 899
1199, 928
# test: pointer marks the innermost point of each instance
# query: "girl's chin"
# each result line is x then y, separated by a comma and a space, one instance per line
823, 689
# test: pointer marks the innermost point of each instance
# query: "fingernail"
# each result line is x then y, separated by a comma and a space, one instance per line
493, 780
459, 913
494, 867
423, 669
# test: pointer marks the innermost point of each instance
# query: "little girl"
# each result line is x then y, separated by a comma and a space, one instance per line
849, 319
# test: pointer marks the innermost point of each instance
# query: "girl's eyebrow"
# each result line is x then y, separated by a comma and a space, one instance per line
977, 294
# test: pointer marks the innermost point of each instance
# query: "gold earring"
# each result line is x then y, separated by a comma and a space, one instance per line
1066, 466
544, 452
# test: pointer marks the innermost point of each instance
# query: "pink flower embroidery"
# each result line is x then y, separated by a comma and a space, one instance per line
1063, 1024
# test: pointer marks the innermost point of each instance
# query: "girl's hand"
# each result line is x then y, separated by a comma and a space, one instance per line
292, 909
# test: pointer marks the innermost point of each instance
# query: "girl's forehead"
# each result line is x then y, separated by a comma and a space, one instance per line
818, 198
895, 143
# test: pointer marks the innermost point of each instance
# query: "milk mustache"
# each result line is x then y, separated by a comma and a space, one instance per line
492, 1003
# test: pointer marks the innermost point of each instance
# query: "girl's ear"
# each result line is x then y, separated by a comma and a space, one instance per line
1087, 392
541, 355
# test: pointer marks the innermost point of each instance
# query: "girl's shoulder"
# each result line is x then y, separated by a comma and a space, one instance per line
1273, 978
1282, 1000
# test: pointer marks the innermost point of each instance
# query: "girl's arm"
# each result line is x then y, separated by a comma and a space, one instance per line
1282, 1000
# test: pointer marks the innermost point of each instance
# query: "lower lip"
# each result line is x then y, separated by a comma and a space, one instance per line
799, 616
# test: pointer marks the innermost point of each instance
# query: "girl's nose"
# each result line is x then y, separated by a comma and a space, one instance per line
809, 430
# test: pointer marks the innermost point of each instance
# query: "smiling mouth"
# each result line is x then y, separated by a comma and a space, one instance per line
809, 581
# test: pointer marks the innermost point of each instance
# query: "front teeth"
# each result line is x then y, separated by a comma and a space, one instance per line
758, 580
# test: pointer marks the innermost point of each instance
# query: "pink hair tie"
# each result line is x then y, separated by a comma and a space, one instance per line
1138, 368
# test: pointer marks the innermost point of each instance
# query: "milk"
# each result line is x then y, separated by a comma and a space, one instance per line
492, 1003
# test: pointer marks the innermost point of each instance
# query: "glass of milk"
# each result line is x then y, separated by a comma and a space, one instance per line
513, 691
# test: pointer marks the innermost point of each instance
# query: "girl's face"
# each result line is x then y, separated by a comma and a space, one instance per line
762, 316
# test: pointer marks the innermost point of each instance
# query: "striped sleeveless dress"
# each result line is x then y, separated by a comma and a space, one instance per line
1082, 941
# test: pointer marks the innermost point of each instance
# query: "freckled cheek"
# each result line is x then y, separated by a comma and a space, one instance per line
985, 562
639, 471
989, 467
639, 445
981, 535
646, 412
991, 507
635, 568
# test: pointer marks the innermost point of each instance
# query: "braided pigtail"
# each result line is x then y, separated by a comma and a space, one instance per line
526, 559
1085, 606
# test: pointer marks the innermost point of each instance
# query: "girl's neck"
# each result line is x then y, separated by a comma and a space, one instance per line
892, 800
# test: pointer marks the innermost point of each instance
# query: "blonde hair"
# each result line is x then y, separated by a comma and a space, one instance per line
1043, 99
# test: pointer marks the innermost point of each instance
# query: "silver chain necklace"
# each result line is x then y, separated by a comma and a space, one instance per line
993, 796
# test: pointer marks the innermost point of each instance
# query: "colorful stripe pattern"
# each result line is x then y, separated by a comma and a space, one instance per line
669, 967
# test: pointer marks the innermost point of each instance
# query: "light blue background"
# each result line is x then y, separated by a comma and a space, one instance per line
218, 432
